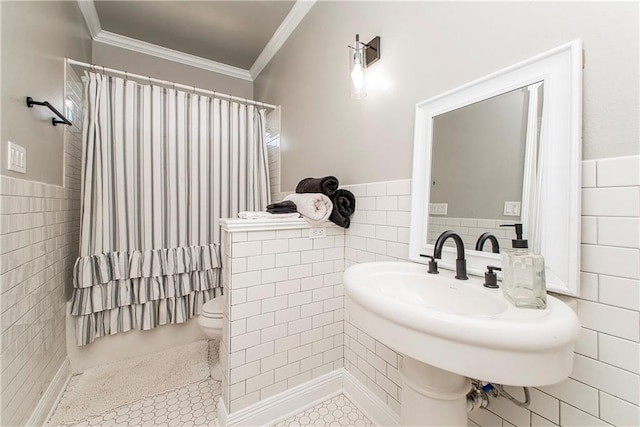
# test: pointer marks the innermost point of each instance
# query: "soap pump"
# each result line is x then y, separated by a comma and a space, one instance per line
523, 281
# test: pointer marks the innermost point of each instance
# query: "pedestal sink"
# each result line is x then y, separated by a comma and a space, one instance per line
451, 330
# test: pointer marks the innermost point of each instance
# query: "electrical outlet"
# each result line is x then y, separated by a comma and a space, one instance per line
16, 157
315, 233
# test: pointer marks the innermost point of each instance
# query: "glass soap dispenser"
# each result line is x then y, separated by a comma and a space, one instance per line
523, 282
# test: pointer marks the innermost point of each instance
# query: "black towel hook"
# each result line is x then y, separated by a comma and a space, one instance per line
54, 121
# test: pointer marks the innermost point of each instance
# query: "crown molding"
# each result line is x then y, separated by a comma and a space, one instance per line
88, 9
290, 23
124, 42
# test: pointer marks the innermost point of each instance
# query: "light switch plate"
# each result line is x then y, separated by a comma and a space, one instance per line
438, 208
511, 209
16, 157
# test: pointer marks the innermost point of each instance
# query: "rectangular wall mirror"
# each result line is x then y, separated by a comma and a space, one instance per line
501, 150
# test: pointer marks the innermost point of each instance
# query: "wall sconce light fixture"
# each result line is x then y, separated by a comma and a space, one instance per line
361, 56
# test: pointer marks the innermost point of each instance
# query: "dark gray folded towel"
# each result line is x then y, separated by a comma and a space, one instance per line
327, 185
344, 205
338, 219
344, 201
282, 207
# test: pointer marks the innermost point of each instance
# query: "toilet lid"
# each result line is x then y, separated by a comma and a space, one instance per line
213, 308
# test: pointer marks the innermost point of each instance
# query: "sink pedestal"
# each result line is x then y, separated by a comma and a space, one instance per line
432, 396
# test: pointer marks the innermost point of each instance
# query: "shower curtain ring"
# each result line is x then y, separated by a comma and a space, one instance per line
126, 75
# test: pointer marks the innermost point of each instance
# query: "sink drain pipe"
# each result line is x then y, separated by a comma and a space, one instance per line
478, 396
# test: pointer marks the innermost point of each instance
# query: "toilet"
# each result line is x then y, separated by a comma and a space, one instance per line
210, 320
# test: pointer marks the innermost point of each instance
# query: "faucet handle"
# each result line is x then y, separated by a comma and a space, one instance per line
490, 277
433, 264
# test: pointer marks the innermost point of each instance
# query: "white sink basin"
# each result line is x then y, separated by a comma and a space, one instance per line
461, 326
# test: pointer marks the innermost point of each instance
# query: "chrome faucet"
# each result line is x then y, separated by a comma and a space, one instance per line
461, 262
495, 246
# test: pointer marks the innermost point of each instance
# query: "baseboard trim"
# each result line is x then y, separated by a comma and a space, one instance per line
290, 402
370, 404
49, 400
221, 419
285, 404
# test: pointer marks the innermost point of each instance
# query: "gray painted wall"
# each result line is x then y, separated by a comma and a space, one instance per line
427, 49
147, 65
36, 37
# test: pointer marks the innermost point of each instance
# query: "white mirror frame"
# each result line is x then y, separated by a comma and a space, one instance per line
561, 145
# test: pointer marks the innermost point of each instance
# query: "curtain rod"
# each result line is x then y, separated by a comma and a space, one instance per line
127, 74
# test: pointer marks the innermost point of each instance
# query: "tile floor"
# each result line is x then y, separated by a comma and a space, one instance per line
335, 412
196, 404
191, 405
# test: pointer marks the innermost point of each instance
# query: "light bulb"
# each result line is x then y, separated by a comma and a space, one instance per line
357, 75
358, 70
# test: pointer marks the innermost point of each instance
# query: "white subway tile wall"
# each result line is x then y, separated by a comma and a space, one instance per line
379, 232
227, 362
285, 311
38, 244
469, 229
604, 388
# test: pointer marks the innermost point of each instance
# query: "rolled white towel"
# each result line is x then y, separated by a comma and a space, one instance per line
314, 207
266, 215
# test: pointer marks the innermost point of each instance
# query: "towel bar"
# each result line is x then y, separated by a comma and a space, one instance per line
54, 121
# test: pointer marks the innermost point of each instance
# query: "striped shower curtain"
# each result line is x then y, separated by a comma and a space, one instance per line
160, 167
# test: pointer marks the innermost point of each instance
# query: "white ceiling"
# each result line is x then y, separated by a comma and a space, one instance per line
229, 32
